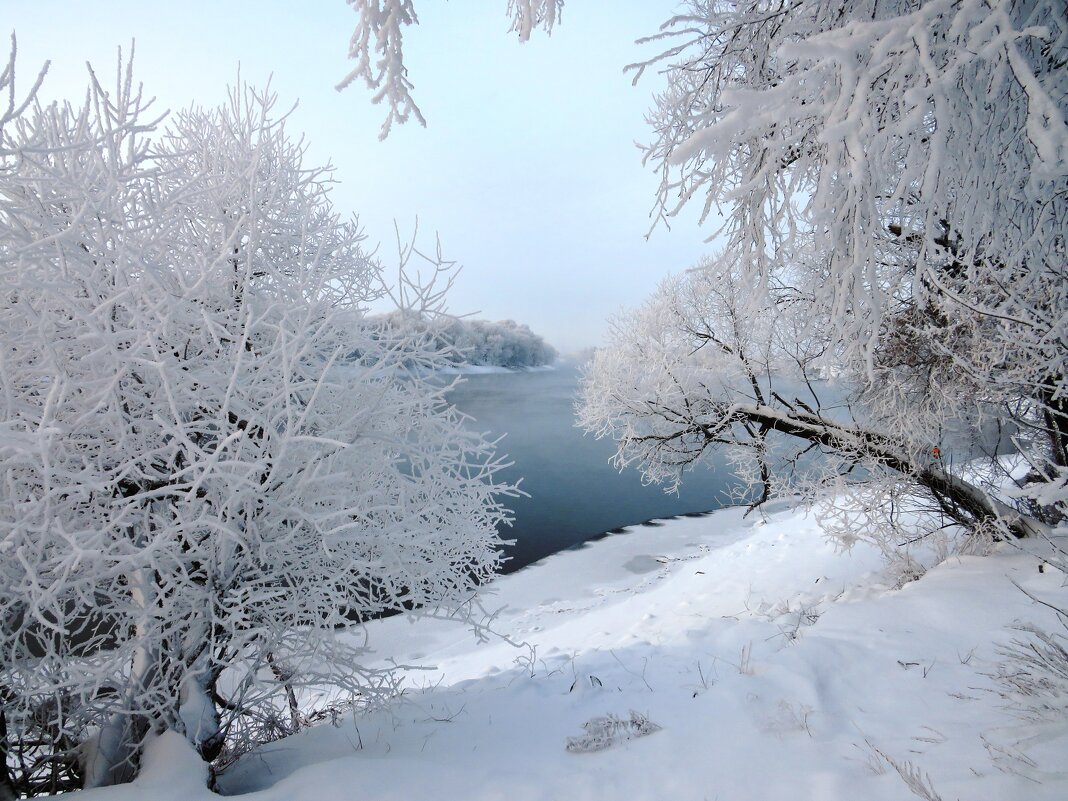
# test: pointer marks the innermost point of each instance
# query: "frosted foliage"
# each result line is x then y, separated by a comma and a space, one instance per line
504, 343
672, 370
846, 118
711, 361
893, 181
377, 47
921, 151
714, 360
530, 14
12, 104
197, 492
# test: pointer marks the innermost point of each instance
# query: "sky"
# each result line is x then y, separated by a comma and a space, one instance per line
528, 172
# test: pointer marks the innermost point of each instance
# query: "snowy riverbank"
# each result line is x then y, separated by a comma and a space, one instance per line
766, 666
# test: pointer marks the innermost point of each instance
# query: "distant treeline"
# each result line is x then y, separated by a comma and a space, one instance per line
504, 343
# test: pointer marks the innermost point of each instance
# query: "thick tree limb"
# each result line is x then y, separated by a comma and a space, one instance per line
962, 501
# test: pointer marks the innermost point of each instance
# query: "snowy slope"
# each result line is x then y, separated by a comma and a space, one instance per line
773, 667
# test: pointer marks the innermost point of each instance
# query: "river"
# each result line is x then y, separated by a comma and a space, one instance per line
574, 493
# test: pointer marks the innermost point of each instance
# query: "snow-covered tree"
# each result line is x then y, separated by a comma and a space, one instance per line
503, 343
202, 498
893, 176
894, 173
712, 362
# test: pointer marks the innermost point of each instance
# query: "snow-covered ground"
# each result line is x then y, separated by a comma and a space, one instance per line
734, 658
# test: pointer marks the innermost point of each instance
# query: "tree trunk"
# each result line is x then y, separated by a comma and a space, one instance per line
1055, 410
960, 500
114, 755
7, 786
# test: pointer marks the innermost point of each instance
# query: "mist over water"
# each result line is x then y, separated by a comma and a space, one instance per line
575, 494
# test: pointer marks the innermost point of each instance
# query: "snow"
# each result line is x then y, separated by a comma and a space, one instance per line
171, 771
720, 656
197, 712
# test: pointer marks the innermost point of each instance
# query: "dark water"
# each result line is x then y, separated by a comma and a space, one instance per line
575, 494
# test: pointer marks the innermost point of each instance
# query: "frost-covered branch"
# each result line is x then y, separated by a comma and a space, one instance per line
893, 180
857, 126
503, 343
14, 107
377, 47
713, 361
202, 496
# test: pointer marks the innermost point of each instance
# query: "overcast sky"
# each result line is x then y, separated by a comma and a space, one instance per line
527, 170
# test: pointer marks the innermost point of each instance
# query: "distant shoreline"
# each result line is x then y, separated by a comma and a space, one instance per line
491, 369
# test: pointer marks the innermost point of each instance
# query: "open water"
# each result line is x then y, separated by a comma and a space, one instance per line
575, 494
